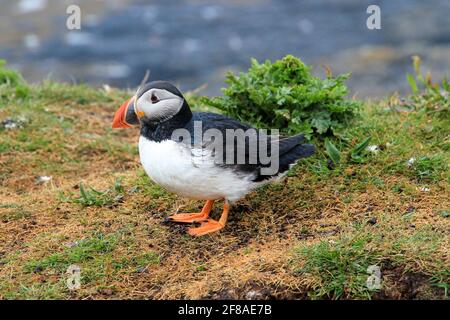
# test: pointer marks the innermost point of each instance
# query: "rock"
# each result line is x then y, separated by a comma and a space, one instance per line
38, 269
11, 124
330, 164
253, 295
106, 292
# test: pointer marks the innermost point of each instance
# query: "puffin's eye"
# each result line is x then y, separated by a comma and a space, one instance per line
154, 98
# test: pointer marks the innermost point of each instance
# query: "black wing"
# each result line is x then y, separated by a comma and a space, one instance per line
245, 154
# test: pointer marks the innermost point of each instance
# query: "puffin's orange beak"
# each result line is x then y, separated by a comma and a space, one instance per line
121, 114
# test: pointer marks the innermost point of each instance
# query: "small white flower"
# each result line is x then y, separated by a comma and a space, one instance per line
411, 162
373, 148
43, 179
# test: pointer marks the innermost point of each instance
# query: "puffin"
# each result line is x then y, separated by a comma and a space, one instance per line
176, 155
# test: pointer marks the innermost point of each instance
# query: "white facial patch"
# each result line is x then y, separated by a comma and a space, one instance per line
159, 104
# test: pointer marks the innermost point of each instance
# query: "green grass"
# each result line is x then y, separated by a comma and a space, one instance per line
445, 213
139, 262
429, 168
82, 251
96, 258
13, 211
36, 291
341, 266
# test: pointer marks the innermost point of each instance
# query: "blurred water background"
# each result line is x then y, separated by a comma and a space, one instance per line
193, 42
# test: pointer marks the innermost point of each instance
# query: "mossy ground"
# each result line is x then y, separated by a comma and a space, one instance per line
313, 234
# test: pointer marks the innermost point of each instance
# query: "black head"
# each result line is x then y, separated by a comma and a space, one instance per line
160, 85
154, 102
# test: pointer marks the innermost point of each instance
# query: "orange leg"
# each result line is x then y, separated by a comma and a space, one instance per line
193, 217
210, 225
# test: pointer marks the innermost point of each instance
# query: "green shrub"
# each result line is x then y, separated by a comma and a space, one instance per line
285, 95
9, 77
12, 85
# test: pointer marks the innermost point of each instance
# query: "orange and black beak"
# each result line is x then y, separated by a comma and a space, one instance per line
126, 116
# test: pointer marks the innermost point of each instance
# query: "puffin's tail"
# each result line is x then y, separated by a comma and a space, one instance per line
292, 156
291, 150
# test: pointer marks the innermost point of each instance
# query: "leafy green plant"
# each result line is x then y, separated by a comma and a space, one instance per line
93, 197
356, 153
332, 151
431, 97
285, 95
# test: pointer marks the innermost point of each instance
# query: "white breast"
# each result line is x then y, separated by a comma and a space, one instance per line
177, 168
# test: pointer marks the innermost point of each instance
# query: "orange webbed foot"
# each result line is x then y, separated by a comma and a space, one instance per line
188, 217
193, 217
206, 227
210, 225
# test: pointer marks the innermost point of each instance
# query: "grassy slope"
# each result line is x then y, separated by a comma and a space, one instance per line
312, 235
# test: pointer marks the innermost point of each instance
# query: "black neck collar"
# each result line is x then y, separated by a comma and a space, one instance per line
159, 131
